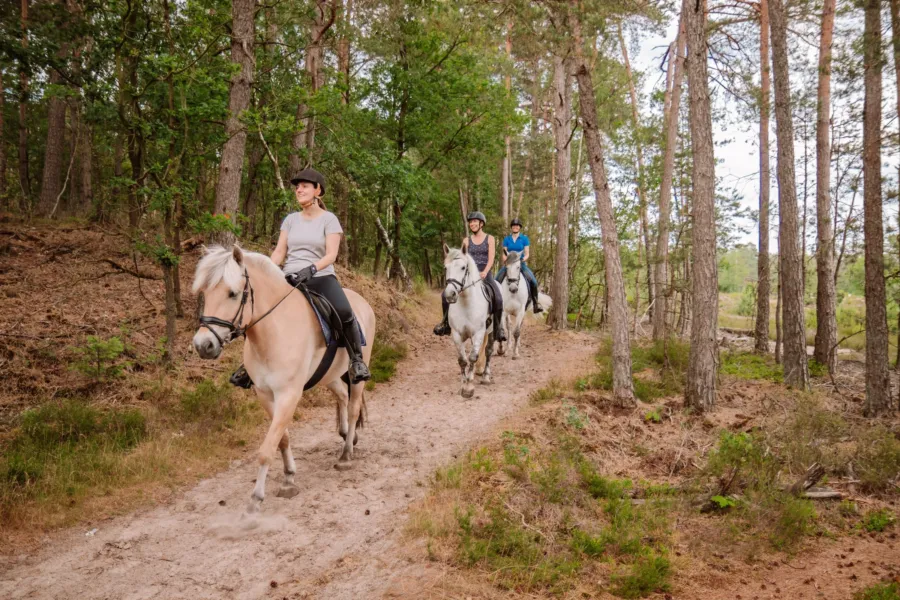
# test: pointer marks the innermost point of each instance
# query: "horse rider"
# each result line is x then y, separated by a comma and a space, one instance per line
308, 246
519, 242
482, 248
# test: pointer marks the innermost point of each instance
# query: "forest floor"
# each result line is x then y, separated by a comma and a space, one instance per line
537, 487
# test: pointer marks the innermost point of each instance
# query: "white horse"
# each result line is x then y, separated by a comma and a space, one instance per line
515, 299
468, 316
283, 348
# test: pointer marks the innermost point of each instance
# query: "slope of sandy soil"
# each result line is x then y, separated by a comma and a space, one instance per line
198, 547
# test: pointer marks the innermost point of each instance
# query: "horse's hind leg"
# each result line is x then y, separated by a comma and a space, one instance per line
518, 333
339, 389
488, 353
356, 414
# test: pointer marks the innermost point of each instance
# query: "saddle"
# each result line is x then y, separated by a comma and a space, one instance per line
332, 330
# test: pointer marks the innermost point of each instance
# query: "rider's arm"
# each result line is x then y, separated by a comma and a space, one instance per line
527, 251
332, 246
491, 251
280, 252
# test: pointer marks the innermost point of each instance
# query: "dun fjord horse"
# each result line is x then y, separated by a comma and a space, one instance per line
468, 316
284, 346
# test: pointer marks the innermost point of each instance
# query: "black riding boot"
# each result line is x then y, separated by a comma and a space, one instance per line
499, 333
358, 369
241, 378
535, 304
443, 328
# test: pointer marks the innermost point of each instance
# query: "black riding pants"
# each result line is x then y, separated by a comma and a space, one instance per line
328, 286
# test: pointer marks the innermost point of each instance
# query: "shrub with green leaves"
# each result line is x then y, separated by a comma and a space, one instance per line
879, 591
877, 459
211, 403
878, 520
748, 365
100, 359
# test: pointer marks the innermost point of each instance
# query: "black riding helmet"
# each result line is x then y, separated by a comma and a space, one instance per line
515, 221
477, 214
311, 176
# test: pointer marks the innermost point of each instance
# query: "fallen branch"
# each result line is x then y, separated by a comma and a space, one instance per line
823, 494
813, 474
127, 271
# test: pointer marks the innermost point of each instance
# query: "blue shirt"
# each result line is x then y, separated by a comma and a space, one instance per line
517, 245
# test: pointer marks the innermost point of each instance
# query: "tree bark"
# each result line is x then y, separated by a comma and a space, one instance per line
700, 389
763, 285
505, 183
878, 384
304, 138
24, 177
641, 191
670, 140
796, 371
2, 143
51, 181
562, 132
895, 42
826, 297
623, 386
231, 167
86, 159
779, 338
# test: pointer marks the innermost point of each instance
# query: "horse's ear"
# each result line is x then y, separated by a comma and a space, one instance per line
505, 252
446, 250
238, 255
465, 248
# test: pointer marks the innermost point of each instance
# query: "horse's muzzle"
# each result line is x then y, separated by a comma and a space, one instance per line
451, 297
206, 345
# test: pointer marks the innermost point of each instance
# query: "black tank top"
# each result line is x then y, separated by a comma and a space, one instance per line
480, 252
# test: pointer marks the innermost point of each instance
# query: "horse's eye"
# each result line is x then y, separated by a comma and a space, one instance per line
232, 294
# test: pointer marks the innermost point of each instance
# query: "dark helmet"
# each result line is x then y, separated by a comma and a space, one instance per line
516, 221
311, 176
477, 214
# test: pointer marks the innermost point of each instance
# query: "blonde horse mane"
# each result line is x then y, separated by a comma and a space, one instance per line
218, 264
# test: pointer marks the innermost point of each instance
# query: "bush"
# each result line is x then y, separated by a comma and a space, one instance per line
211, 403
747, 305
878, 520
383, 363
879, 591
100, 359
649, 574
747, 365
877, 459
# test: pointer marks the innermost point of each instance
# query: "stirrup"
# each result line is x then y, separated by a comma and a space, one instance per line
359, 372
442, 328
241, 378
537, 308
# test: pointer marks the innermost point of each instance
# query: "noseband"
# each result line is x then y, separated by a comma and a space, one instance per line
516, 280
461, 286
234, 328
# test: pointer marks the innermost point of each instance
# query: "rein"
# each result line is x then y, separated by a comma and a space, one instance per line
460, 285
234, 329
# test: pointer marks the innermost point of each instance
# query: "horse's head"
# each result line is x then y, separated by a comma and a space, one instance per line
459, 268
224, 284
513, 271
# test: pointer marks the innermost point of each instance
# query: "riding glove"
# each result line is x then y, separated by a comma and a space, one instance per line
304, 275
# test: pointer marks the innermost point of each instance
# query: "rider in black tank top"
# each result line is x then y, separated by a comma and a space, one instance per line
481, 254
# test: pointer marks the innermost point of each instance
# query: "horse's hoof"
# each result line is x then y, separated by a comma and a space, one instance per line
288, 491
343, 465
486, 381
516, 357
343, 435
254, 506
467, 393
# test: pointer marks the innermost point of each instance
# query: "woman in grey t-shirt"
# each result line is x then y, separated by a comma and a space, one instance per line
308, 246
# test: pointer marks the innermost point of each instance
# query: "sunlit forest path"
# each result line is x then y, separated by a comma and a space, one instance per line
196, 545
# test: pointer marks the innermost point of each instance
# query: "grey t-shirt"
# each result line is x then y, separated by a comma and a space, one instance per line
306, 241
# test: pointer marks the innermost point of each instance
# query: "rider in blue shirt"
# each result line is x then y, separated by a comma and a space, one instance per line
518, 242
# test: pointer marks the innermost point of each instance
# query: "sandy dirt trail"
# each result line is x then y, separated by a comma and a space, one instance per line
307, 546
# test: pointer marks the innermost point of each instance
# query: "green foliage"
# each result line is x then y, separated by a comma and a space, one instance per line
878, 520
574, 417
100, 359
817, 369
647, 575
795, 519
653, 416
747, 305
383, 364
669, 359
879, 591
67, 441
747, 365
211, 404
600, 487
724, 502
877, 459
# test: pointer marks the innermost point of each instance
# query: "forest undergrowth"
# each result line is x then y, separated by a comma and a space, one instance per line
576, 498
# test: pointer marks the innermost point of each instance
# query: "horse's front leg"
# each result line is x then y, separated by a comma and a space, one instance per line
288, 488
501, 347
518, 332
285, 403
477, 342
465, 391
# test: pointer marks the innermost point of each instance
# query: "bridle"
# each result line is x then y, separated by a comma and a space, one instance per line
234, 325
461, 286
516, 280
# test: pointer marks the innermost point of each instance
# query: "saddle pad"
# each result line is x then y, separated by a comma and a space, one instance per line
323, 308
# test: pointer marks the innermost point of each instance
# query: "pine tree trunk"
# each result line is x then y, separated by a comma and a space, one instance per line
51, 181
895, 42
562, 131
2, 143
878, 383
673, 105
623, 386
700, 391
86, 159
24, 177
779, 338
763, 286
343, 195
826, 298
796, 371
231, 166
641, 192
304, 138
